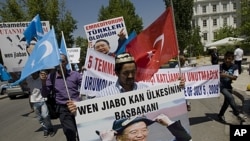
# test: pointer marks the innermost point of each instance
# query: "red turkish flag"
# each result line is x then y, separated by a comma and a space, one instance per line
154, 46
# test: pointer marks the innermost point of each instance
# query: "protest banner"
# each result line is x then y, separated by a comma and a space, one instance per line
98, 114
13, 50
74, 54
108, 30
99, 72
201, 82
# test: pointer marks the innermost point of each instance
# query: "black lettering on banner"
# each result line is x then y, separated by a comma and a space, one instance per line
136, 111
86, 109
198, 90
188, 91
239, 132
136, 98
213, 89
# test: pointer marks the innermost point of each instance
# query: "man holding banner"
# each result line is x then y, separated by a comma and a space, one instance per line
125, 69
65, 84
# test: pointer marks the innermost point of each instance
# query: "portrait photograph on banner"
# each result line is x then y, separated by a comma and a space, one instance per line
106, 36
122, 111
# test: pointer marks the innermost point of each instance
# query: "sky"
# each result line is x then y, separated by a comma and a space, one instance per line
86, 11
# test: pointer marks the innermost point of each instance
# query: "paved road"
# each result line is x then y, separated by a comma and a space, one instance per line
17, 124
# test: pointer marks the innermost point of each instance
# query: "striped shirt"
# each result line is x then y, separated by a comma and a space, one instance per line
116, 88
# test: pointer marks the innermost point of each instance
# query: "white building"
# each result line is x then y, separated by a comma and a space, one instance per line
211, 15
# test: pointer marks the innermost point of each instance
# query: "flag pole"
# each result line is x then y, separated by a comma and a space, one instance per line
64, 80
178, 58
67, 55
66, 86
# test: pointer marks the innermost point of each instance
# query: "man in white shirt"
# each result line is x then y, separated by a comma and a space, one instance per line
238, 55
39, 102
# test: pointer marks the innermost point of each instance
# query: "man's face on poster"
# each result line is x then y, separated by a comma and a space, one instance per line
30, 48
135, 132
102, 47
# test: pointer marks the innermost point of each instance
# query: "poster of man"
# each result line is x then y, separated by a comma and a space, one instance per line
105, 36
95, 116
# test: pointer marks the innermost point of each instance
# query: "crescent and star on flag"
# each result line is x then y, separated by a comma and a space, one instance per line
49, 50
158, 39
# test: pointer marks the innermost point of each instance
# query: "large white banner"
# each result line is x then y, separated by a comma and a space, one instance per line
13, 50
201, 82
98, 114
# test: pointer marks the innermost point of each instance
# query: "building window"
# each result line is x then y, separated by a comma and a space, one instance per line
214, 22
204, 9
224, 7
214, 8
234, 6
224, 21
215, 35
235, 20
204, 23
205, 36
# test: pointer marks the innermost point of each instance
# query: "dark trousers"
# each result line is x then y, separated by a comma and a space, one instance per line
238, 63
68, 123
228, 100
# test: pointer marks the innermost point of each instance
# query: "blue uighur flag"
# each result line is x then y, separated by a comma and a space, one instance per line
45, 55
122, 49
63, 50
4, 75
154, 46
34, 29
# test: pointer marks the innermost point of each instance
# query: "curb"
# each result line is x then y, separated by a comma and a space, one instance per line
3, 96
245, 98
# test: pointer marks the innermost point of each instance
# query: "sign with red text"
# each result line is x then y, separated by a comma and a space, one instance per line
99, 72
200, 82
99, 114
108, 30
13, 50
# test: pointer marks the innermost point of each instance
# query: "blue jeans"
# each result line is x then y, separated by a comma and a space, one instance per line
228, 100
42, 114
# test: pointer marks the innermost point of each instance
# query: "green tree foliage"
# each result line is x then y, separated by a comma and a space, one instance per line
49, 10
223, 32
245, 24
125, 8
83, 44
183, 12
245, 18
195, 48
11, 11
226, 31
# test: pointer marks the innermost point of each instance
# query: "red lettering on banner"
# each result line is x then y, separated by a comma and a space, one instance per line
90, 61
104, 66
202, 75
11, 31
104, 23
